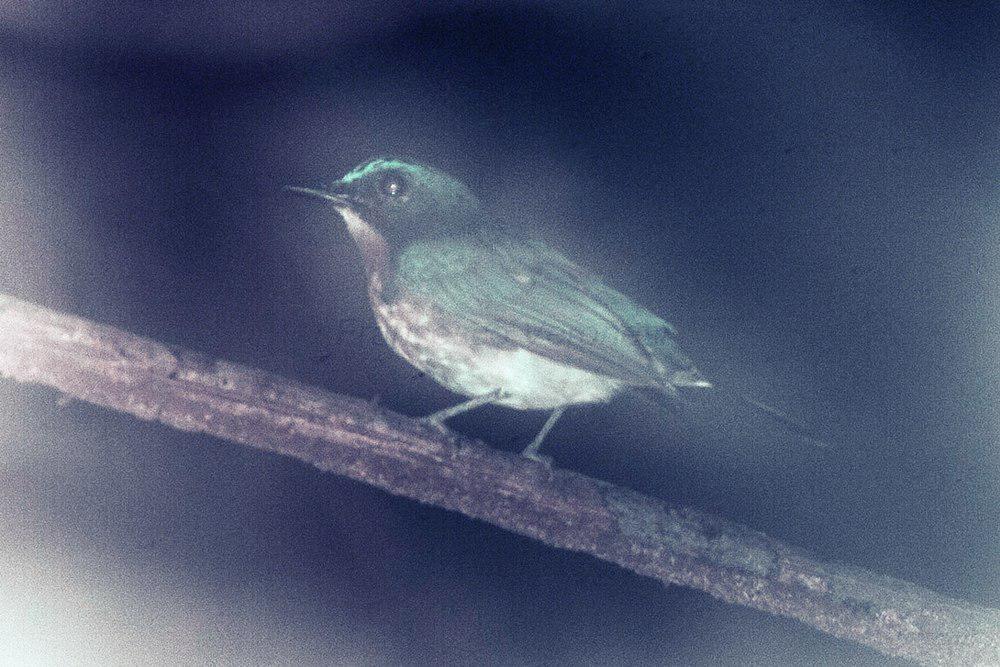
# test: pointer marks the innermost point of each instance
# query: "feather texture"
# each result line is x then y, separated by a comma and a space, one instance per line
520, 294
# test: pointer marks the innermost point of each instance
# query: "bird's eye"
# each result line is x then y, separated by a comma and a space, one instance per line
393, 185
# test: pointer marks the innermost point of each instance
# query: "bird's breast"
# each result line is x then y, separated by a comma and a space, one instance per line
472, 362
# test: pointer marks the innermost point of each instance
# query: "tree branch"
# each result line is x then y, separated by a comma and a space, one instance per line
677, 545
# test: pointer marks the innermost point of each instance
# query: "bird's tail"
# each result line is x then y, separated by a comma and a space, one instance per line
694, 379
803, 431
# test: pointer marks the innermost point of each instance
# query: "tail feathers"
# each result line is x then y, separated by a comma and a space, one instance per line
692, 378
800, 429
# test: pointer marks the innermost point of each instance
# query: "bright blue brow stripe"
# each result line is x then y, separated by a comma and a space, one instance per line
361, 171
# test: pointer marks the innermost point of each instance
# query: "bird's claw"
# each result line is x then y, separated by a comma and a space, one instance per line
546, 461
436, 424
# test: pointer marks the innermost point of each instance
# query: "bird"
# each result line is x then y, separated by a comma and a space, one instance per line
492, 314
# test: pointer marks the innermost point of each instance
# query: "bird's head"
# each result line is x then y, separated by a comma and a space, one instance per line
387, 203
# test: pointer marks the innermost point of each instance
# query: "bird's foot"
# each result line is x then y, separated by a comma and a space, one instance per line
546, 461
531, 451
435, 422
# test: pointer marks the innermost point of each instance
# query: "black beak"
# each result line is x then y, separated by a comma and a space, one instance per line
337, 198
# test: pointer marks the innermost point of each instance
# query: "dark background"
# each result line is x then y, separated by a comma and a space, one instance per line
810, 193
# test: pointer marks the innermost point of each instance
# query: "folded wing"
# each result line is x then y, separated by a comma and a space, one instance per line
524, 294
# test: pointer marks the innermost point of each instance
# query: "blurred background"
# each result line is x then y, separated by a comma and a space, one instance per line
810, 192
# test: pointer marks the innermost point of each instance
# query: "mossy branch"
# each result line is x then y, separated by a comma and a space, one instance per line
676, 545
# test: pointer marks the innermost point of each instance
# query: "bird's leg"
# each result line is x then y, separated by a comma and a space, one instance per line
531, 451
437, 418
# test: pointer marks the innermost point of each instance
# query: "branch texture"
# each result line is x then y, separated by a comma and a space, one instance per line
676, 545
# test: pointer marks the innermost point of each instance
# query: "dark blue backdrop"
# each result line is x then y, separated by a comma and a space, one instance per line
809, 192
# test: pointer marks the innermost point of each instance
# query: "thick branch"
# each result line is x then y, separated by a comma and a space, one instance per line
676, 545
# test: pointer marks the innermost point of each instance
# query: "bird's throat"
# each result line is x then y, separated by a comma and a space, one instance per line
373, 246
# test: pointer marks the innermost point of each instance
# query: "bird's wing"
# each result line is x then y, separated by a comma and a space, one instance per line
523, 294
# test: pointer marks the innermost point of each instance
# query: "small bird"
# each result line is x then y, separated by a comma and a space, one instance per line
492, 316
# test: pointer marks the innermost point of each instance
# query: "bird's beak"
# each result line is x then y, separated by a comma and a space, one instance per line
371, 241
338, 199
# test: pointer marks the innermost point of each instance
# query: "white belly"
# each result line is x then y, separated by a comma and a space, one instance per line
527, 380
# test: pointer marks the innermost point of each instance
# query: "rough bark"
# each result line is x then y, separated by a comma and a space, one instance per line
676, 545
